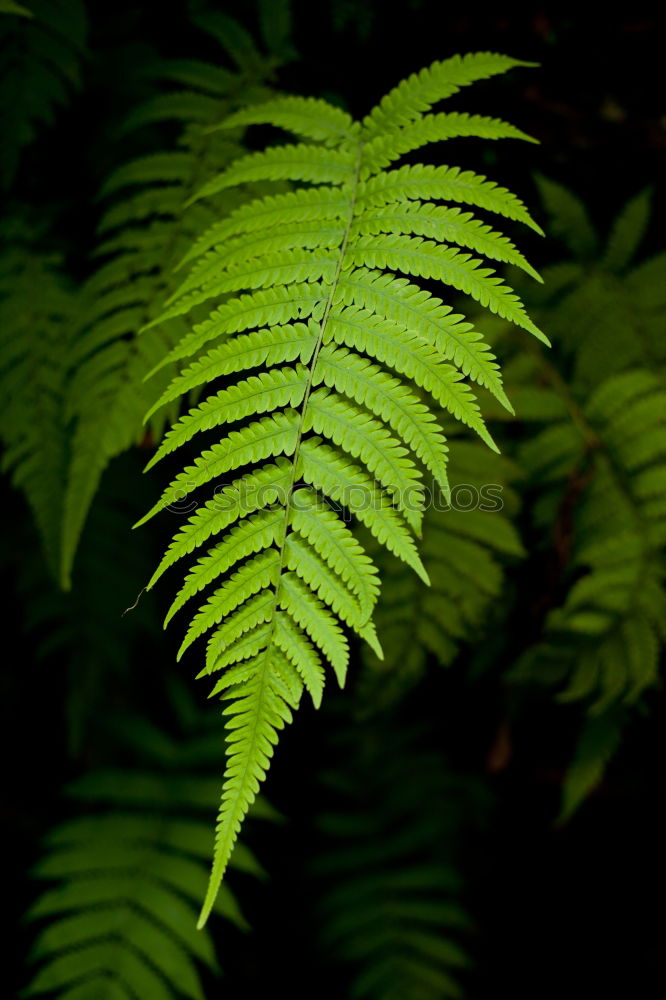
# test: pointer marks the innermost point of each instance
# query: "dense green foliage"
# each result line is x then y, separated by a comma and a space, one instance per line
381, 446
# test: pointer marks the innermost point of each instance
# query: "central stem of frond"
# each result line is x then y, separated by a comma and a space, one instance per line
308, 388
238, 809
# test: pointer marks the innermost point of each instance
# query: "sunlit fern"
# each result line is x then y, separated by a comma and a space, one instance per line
129, 870
144, 232
40, 64
324, 319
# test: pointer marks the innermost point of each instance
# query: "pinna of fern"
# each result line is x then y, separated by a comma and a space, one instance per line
342, 358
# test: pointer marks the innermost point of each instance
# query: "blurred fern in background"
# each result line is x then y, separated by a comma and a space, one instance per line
121, 919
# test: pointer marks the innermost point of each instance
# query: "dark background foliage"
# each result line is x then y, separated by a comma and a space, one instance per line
558, 911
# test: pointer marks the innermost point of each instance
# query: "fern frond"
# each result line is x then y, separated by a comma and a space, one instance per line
269, 390
331, 539
252, 492
412, 312
260, 707
367, 329
117, 918
596, 466
445, 225
330, 472
35, 348
602, 644
304, 205
425, 259
276, 305
252, 535
269, 437
144, 233
363, 437
301, 162
318, 263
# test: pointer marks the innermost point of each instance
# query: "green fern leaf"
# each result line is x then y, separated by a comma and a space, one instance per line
305, 205
9, 7
445, 225
383, 150
307, 276
270, 390
315, 164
